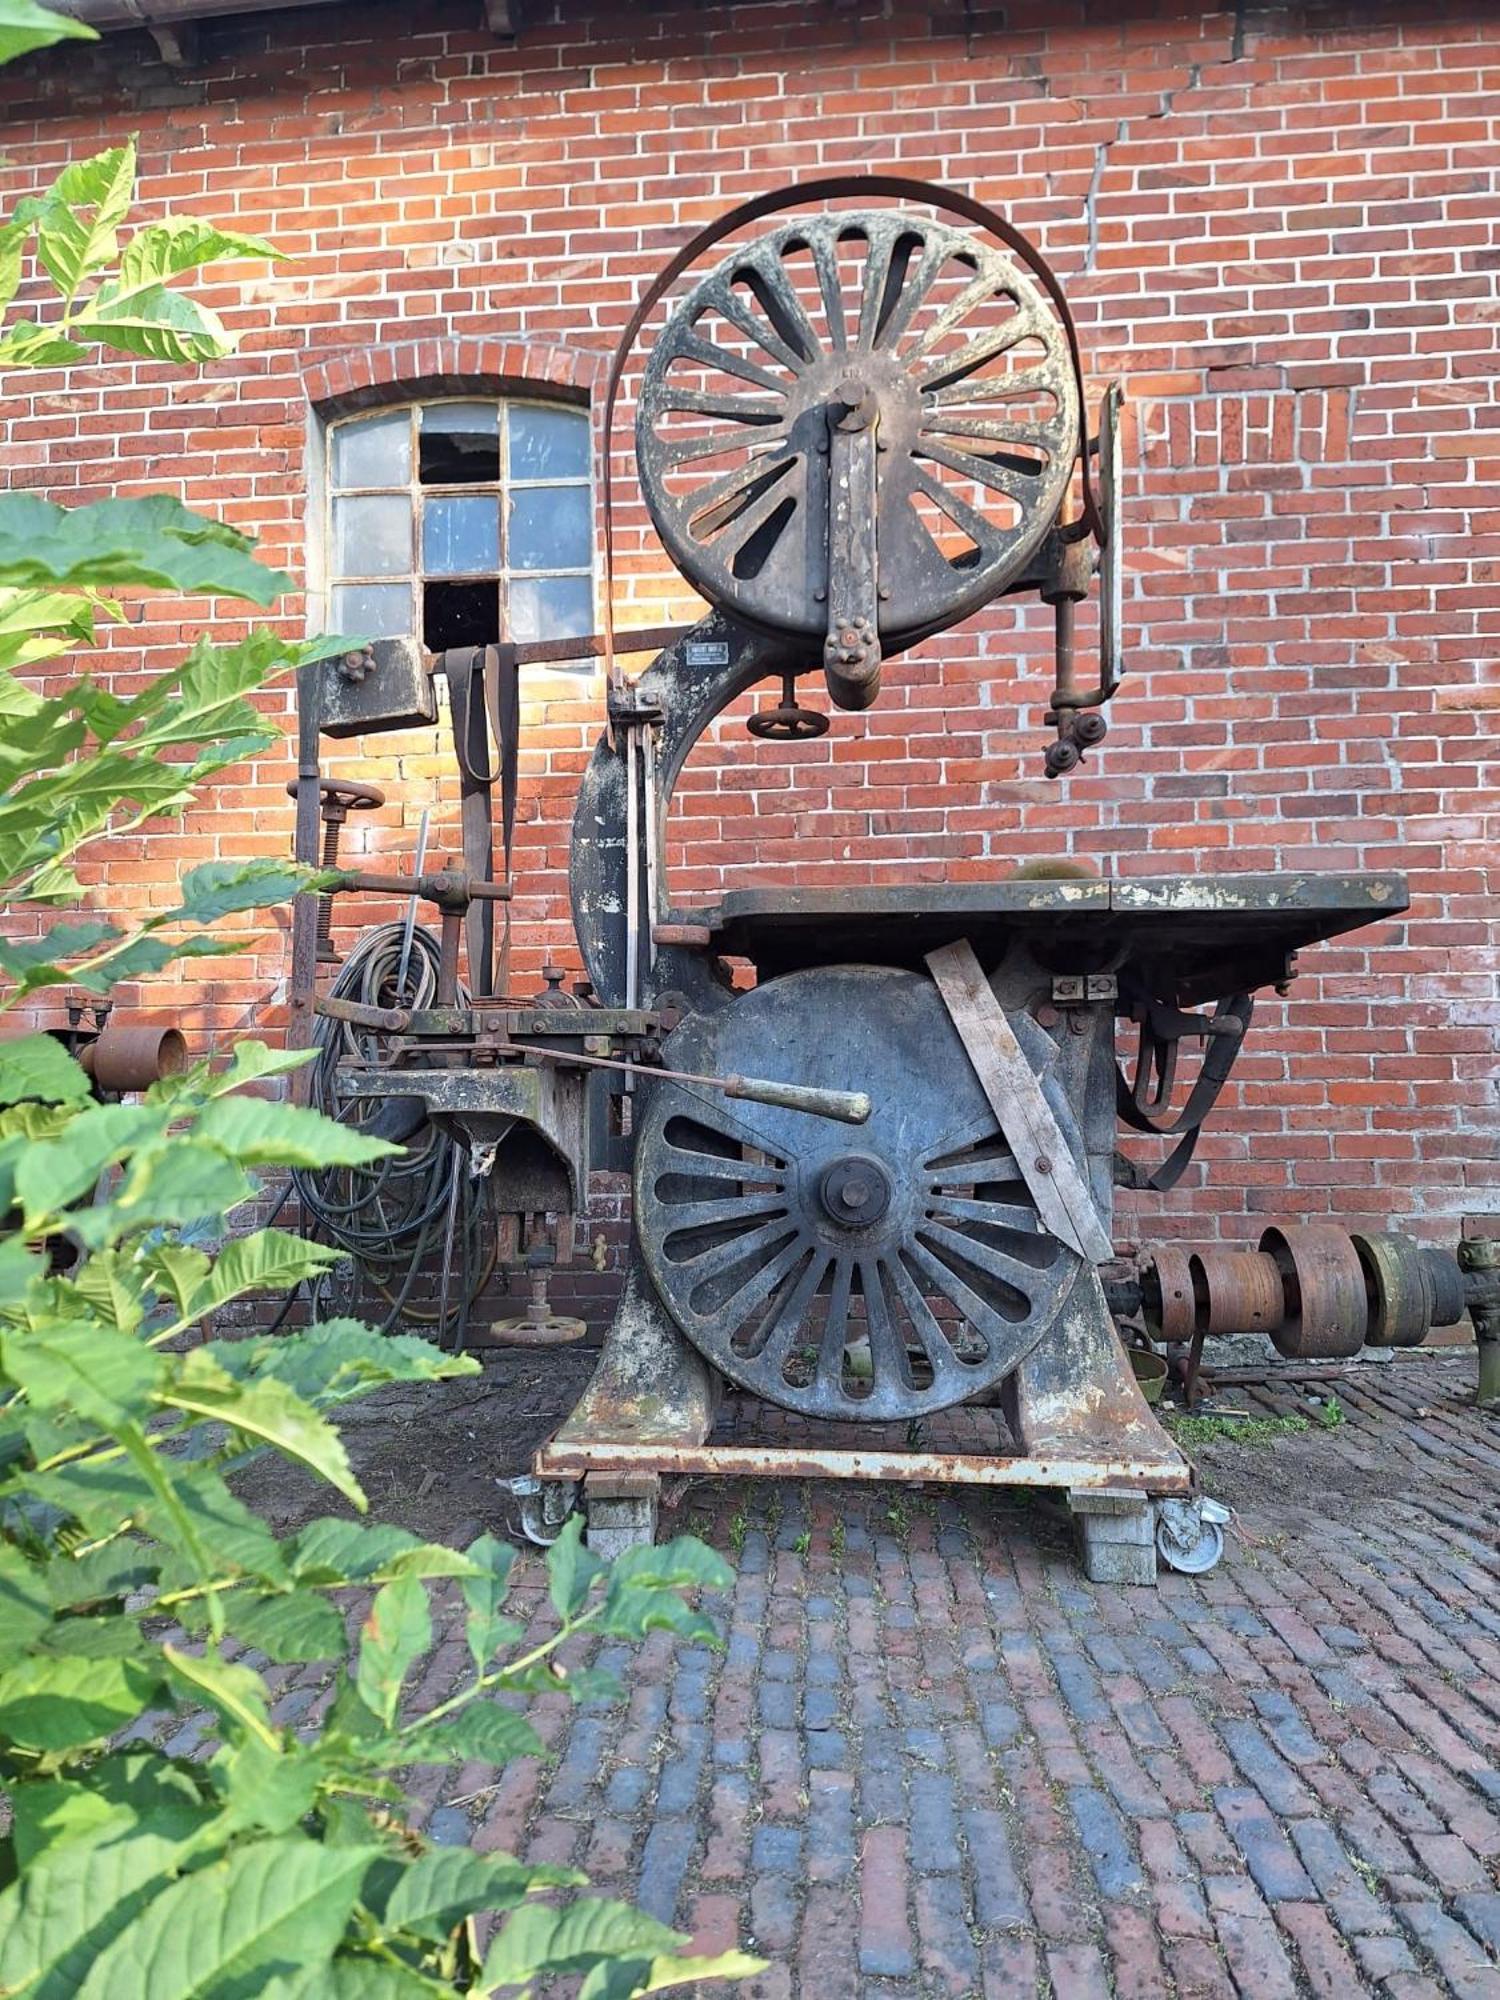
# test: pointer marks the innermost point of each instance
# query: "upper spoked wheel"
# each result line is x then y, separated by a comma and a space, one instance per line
888, 324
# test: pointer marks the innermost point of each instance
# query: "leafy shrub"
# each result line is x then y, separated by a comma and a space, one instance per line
136, 1588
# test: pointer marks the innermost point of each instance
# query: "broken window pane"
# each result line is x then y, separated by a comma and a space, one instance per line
372, 535
373, 451
461, 537
460, 444
550, 528
460, 614
372, 610
551, 607
548, 444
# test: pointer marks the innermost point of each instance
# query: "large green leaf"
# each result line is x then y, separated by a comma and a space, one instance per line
25, 1603
82, 1365
256, 1131
235, 1691
481, 1731
267, 1908
180, 1183
25, 26
253, 1060
78, 216
216, 888
70, 1906
114, 1286
36, 1066
571, 1569
622, 1979
60, 1171
432, 1896
110, 544
129, 1791
59, 1701
485, 1628
288, 1626
539, 1940
155, 322
396, 1632
267, 1787
339, 1359
330, 1551
267, 1410
179, 243
270, 1260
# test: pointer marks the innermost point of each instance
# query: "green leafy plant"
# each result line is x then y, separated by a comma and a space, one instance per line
138, 1590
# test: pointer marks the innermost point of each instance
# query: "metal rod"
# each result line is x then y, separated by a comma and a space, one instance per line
570, 1459
409, 928
305, 848
653, 835
632, 868
849, 1107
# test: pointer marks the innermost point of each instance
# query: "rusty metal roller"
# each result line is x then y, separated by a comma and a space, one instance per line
1238, 1291
127, 1058
1327, 1308
1399, 1288
1167, 1303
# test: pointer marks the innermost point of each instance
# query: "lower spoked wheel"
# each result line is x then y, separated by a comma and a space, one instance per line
878, 1272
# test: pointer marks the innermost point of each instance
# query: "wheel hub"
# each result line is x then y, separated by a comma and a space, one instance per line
855, 1191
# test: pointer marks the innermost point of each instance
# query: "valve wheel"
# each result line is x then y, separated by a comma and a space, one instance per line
788, 721
343, 794
942, 341
879, 1273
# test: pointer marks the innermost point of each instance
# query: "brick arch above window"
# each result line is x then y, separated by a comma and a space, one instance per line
407, 370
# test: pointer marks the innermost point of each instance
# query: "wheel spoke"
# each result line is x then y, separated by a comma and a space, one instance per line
935, 1342
762, 331
715, 1167
773, 290
789, 1313
710, 444
745, 523
983, 471
708, 354
1022, 1278
993, 1325
1002, 1215
825, 260
949, 368
836, 1325
760, 1284
897, 312
978, 527
721, 1257
994, 389
975, 293
720, 503
887, 1349
739, 409
708, 1214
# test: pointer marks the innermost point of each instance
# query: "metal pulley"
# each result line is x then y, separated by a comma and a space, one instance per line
876, 1274
859, 429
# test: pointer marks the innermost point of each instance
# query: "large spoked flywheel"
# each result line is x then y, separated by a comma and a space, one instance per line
877, 1271
937, 347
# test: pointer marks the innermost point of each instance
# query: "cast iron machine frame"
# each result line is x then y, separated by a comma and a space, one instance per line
862, 425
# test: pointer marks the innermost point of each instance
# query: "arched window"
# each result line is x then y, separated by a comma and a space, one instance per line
461, 522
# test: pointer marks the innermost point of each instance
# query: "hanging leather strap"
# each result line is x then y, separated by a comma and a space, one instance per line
502, 702
1218, 1061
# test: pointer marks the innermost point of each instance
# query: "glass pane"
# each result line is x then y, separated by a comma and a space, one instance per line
550, 528
460, 444
373, 610
548, 444
551, 607
460, 537
373, 451
372, 535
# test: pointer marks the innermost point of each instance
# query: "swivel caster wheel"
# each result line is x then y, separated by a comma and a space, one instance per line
1190, 1534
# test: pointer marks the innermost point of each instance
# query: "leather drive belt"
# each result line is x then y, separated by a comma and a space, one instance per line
486, 743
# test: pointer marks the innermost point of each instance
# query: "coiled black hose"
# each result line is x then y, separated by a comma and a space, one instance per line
414, 1212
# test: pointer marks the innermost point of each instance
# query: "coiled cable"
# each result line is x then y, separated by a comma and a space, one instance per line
412, 1211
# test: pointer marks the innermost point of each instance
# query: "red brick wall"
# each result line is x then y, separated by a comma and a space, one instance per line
1275, 224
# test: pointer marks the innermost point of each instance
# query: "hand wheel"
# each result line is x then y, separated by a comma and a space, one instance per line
788, 721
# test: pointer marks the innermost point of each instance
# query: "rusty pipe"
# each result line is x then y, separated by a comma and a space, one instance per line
123, 1058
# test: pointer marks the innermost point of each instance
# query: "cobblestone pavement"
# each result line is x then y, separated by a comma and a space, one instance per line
933, 1761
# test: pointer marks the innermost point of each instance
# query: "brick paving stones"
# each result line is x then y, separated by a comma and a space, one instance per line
933, 1761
